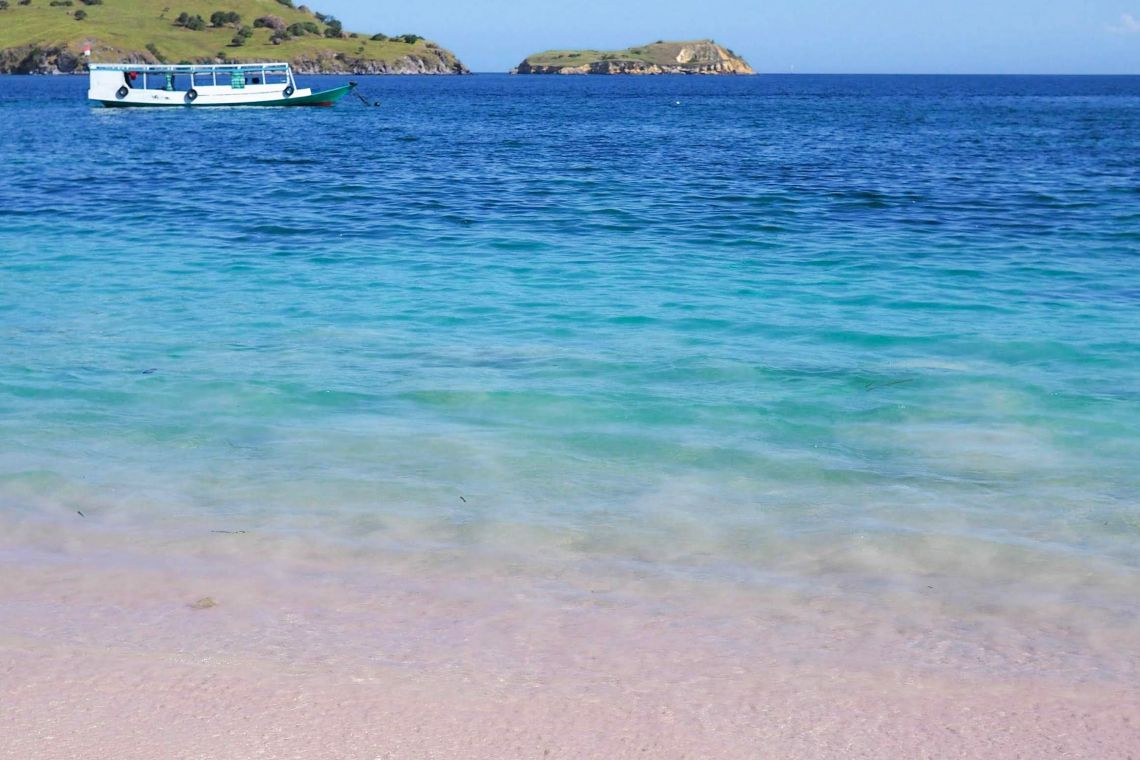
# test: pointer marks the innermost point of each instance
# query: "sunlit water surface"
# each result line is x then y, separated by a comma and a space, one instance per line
868, 338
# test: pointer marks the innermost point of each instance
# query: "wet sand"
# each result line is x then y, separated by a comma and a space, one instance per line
119, 656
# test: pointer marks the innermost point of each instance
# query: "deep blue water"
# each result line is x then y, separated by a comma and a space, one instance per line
779, 328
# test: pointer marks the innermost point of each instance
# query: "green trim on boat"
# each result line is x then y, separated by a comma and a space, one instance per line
323, 98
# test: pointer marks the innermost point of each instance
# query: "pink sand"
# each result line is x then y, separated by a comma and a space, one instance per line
103, 655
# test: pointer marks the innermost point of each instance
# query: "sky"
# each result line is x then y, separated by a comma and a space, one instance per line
780, 36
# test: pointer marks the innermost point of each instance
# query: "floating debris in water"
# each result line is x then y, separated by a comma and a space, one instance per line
80, 513
204, 603
230, 532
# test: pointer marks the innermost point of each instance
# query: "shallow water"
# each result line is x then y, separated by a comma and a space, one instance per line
843, 339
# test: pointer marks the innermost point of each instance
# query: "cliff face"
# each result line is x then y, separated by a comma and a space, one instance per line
433, 62
30, 59
698, 57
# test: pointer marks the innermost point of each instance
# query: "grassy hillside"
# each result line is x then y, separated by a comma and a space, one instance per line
697, 56
121, 29
659, 53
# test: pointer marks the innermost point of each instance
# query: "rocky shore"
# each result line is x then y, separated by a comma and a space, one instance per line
60, 60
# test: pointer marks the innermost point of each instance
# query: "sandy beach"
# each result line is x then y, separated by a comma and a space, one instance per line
122, 655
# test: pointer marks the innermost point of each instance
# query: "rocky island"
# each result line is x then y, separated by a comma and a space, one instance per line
696, 57
49, 37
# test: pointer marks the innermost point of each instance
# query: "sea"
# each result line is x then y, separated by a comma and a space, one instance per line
851, 363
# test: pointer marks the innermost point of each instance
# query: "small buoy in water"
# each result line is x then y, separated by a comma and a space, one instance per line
676, 102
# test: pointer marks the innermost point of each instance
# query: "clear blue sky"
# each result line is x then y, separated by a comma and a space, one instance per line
829, 36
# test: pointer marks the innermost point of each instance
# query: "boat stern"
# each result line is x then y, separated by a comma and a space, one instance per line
104, 86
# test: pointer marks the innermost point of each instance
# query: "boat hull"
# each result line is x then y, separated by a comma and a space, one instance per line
325, 98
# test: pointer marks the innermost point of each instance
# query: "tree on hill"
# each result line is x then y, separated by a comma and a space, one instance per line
276, 23
303, 28
224, 18
334, 28
242, 35
194, 23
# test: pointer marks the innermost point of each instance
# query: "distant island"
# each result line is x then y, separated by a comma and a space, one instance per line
49, 36
696, 57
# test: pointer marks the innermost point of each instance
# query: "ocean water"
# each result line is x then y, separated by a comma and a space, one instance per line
848, 340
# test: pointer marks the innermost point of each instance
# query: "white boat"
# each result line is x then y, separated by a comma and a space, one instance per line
119, 85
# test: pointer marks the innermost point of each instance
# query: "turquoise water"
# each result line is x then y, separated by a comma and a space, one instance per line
819, 333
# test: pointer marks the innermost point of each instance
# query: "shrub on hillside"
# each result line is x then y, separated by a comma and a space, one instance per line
3, 5
303, 28
411, 39
335, 28
379, 38
194, 23
287, 3
80, 15
153, 49
61, 3
224, 18
91, 2
276, 23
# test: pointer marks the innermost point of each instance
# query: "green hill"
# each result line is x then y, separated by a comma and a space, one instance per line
48, 36
694, 57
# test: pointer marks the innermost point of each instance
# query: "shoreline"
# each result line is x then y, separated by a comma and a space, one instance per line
236, 656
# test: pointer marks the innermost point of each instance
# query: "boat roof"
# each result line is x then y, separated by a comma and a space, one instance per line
189, 68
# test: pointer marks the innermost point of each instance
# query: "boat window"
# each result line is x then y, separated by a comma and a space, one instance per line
151, 80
